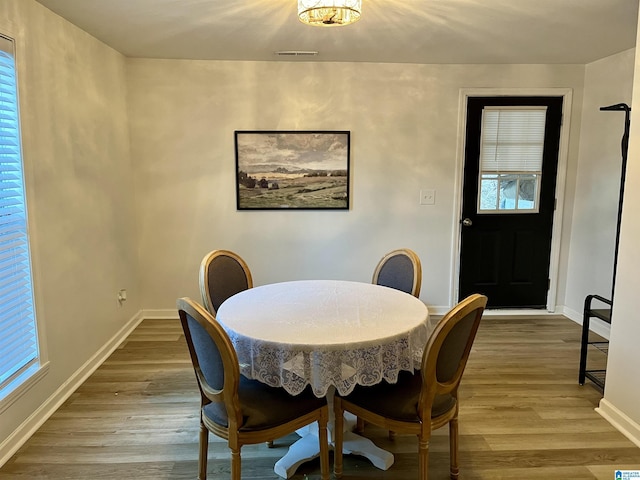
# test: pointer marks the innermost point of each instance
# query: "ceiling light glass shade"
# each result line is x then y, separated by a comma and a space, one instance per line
329, 13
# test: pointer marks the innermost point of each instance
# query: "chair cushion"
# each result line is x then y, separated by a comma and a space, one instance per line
226, 278
264, 406
398, 401
397, 273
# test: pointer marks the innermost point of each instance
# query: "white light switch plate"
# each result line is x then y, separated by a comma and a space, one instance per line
427, 196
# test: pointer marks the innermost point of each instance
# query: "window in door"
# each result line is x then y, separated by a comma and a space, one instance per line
511, 148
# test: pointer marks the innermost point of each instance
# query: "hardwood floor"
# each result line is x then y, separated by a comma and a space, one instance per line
523, 416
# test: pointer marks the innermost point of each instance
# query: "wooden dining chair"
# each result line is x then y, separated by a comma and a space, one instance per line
422, 401
400, 269
222, 274
233, 407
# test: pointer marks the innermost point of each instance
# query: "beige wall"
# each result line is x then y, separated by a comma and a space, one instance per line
91, 236
78, 176
590, 268
620, 403
404, 123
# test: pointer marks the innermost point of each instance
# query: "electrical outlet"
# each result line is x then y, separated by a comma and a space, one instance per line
427, 196
122, 296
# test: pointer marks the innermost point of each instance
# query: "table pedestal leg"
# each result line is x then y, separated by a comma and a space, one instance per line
359, 445
303, 450
307, 448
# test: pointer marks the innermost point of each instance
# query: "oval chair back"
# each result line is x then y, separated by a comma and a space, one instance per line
447, 352
222, 274
400, 269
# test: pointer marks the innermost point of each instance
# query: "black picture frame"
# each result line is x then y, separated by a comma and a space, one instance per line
290, 169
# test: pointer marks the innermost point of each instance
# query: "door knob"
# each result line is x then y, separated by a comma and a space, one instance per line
467, 222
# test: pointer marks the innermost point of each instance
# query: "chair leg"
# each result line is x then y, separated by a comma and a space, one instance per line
338, 436
323, 438
453, 449
204, 451
235, 464
423, 456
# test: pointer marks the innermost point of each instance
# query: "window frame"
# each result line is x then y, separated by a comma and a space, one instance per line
515, 173
22, 382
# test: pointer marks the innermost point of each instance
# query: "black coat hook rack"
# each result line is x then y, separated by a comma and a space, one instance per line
620, 107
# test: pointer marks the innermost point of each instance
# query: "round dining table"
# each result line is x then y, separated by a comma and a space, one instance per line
330, 335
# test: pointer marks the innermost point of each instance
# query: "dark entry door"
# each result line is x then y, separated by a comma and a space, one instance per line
509, 182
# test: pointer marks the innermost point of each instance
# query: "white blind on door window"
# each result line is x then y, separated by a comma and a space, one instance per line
512, 139
18, 338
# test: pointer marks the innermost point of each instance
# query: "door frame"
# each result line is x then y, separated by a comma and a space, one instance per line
563, 154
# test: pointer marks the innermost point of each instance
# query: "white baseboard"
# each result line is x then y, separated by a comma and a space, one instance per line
160, 314
595, 324
438, 311
620, 421
21, 434
572, 314
518, 312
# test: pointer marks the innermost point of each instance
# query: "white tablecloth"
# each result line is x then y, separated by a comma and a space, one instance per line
325, 332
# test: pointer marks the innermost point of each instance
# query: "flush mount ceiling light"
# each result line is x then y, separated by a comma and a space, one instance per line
296, 53
329, 13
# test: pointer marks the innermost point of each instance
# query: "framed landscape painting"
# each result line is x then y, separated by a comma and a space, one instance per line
303, 170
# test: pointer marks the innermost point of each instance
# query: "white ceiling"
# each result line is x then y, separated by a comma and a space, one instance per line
405, 31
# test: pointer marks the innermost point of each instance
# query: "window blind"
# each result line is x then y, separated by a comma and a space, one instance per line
18, 336
512, 139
